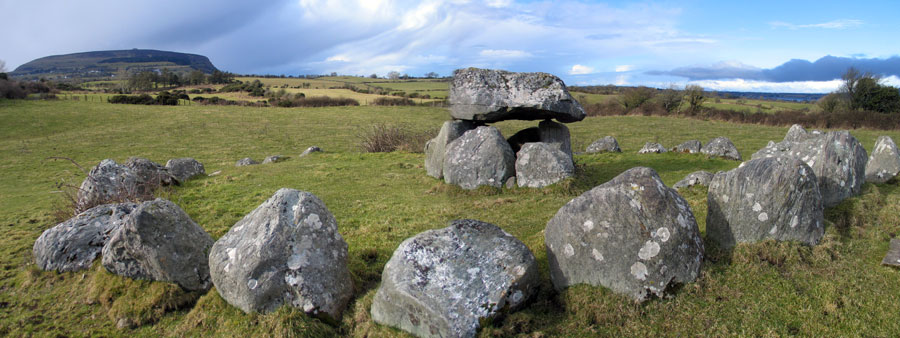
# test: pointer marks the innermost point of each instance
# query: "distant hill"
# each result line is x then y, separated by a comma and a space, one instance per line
103, 65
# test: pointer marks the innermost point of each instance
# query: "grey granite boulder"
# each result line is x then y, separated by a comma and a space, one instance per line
556, 135
108, 182
796, 134
721, 147
160, 242
310, 150
436, 148
695, 178
442, 283
479, 157
892, 257
632, 234
74, 244
540, 164
152, 174
607, 144
185, 168
245, 162
776, 197
652, 148
884, 163
496, 95
690, 147
287, 251
837, 158
273, 159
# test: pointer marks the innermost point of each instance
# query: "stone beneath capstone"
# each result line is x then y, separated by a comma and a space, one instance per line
287, 251
892, 257
837, 158
769, 198
701, 177
273, 159
721, 147
556, 135
607, 144
884, 163
442, 283
245, 161
690, 147
311, 150
523, 136
152, 174
74, 244
540, 164
436, 148
497, 95
479, 157
652, 148
108, 182
633, 235
160, 242
185, 168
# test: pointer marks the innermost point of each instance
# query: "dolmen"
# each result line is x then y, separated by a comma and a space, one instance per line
837, 159
469, 153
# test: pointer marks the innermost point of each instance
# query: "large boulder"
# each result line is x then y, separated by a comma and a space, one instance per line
108, 182
442, 283
287, 251
152, 174
160, 242
74, 244
436, 148
652, 148
479, 157
837, 159
690, 147
721, 147
607, 144
557, 135
884, 163
701, 177
540, 164
776, 197
185, 168
632, 235
496, 95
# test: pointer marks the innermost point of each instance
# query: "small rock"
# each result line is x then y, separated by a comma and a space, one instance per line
607, 144
185, 168
124, 323
311, 150
273, 159
695, 178
511, 182
245, 161
214, 173
443, 283
652, 148
540, 164
721, 147
74, 244
892, 258
479, 157
690, 147
884, 163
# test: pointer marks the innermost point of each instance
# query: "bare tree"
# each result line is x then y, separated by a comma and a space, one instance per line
695, 97
636, 97
393, 75
671, 99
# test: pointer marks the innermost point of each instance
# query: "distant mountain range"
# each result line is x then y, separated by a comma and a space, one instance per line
102, 65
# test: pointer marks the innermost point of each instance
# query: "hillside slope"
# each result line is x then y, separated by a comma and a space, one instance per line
106, 64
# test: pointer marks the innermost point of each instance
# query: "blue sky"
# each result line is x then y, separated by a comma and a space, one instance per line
721, 45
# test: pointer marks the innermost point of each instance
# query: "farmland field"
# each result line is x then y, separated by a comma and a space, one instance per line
837, 288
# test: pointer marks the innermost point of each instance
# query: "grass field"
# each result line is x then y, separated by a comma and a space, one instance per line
768, 289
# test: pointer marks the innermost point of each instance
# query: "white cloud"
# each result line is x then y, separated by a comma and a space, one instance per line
624, 68
835, 24
581, 70
504, 53
499, 3
622, 80
338, 58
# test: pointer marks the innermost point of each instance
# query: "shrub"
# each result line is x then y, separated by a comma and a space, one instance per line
383, 138
390, 101
317, 101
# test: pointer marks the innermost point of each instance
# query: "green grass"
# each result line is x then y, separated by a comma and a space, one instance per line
835, 289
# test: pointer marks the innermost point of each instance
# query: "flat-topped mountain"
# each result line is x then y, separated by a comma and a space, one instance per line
110, 64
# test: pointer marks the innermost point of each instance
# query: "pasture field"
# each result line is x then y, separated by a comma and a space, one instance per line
837, 288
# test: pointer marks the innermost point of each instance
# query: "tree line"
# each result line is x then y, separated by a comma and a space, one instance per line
164, 78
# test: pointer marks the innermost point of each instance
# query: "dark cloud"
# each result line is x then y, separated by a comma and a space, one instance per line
824, 69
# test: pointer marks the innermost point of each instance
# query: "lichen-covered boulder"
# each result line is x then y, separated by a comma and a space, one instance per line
633, 235
884, 163
74, 244
796, 134
496, 95
721, 147
479, 157
285, 252
152, 174
245, 162
556, 135
160, 242
690, 147
441, 283
607, 144
310, 150
837, 158
540, 164
776, 197
108, 182
185, 168
695, 178
436, 148
652, 148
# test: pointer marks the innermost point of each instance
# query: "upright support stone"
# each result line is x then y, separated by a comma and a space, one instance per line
557, 135
436, 148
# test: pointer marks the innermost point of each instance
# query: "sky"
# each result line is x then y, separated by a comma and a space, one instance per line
767, 46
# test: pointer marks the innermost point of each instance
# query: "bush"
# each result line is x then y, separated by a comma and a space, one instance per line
383, 138
163, 98
390, 101
318, 101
